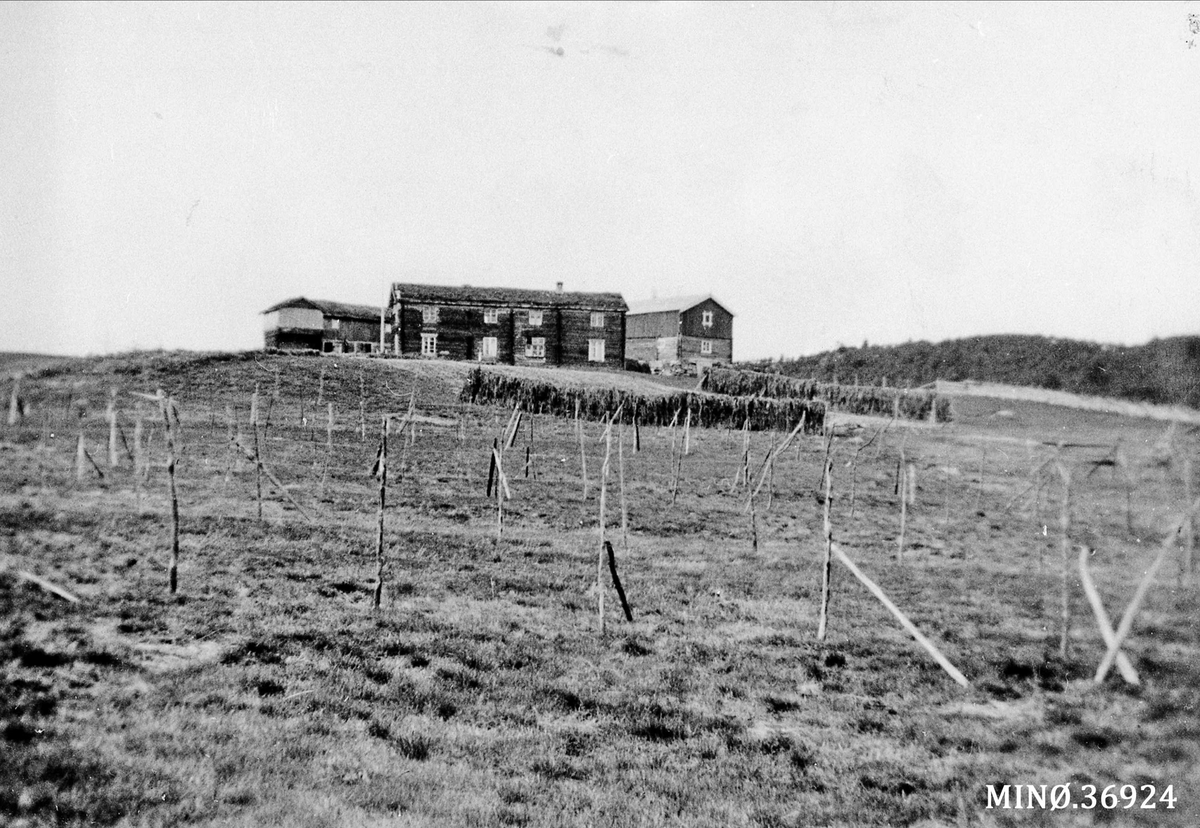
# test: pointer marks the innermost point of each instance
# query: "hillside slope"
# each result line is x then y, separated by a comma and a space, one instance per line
1163, 371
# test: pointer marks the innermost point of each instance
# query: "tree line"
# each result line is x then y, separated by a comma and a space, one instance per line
1165, 371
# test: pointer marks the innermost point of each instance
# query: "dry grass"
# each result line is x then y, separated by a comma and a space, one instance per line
268, 693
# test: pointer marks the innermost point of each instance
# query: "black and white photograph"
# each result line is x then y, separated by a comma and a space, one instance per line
633, 414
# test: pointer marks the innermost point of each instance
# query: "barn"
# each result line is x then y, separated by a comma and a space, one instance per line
508, 325
319, 325
680, 334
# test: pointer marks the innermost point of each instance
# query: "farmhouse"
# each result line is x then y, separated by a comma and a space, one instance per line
318, 325
680, 333
508, 325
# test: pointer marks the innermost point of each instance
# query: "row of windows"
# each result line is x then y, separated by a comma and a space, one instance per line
491, 316
337, 347
535, 348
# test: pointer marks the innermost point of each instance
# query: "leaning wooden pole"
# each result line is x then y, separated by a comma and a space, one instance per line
616, 579
173, 566
827, 564
383, 450
1139, 595
908, 625
275, 481
1106, 631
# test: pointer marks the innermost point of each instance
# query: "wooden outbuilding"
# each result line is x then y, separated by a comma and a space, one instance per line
508, 325
320, 325
680, 334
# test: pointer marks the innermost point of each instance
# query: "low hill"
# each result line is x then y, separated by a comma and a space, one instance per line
1165, 371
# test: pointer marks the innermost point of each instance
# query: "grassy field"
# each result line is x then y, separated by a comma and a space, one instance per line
267, 691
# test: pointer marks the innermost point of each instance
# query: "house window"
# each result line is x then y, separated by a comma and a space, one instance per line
706, 319
491, 316
536, 347
428, 344
327, 347
429, 314
597, 320
706, 346
335, 324
491, 346
596, 349
535, 319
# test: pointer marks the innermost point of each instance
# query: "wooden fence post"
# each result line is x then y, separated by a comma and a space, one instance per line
164, 404
110, 413
979, 487
603, 540
621, 480
328, 444
582, 451
377, 596
362, 410
257, 454
497, 457
827, 563
1065, 545
1189, 538
14, 401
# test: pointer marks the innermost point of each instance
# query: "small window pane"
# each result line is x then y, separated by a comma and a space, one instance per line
535, 319
597, 320
429, 314
491, 316
536, 348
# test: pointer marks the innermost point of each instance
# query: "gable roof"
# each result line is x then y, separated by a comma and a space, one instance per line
519, 297
676, 304
341, 310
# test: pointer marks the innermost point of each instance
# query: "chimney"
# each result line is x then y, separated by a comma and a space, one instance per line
558, 287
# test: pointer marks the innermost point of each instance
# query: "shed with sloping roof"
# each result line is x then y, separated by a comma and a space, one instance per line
680, 334
322, 325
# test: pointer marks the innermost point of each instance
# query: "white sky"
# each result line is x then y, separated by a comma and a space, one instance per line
831, 172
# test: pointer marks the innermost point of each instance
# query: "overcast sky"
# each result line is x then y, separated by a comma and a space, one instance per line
832, 173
